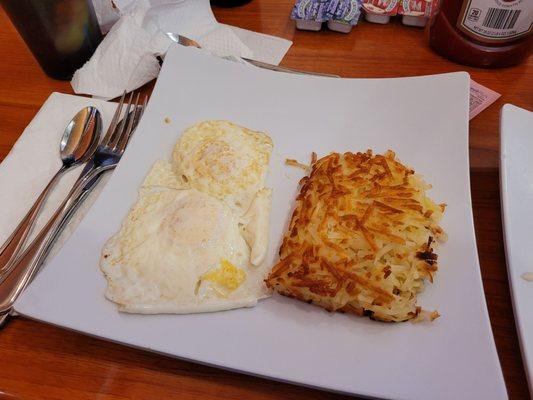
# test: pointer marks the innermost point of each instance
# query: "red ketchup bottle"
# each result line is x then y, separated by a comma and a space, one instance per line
483, 33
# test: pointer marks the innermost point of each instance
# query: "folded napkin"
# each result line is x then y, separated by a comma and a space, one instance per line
127, 58
34, 159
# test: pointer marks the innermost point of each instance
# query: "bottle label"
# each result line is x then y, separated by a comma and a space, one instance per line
496, 20
381, 7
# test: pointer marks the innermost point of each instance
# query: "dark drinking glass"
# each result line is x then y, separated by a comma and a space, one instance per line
61, 34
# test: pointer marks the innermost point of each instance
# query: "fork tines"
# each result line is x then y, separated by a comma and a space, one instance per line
120, 130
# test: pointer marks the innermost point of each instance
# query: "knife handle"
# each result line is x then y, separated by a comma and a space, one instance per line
273, 67
27, 265
69, 212
11, 248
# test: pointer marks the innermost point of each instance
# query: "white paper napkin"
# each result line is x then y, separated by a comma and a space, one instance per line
125, 60
127, 57
34, 159
266, 48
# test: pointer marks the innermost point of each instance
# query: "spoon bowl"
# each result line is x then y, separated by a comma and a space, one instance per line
79, 139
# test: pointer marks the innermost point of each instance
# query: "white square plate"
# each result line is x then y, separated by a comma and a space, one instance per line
516, 186
423, 119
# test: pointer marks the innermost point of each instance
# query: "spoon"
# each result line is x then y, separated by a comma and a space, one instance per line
77, 145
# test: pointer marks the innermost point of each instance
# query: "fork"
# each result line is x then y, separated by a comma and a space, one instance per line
139, 109
106, 157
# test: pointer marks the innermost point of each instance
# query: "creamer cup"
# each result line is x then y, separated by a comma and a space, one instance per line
309, 14
344, 14
380, 11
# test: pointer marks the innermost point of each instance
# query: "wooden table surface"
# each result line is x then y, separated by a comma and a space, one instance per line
41, 361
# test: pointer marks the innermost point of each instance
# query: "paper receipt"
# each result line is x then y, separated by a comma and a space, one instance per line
480, 98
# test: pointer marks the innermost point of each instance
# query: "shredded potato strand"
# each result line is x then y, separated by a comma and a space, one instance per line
296, 163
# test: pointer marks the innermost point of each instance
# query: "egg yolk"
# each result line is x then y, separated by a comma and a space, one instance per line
228, 275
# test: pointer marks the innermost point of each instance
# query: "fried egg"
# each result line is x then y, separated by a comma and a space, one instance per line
185, 246
225, 160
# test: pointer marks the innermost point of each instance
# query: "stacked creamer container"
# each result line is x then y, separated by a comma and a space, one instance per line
340, 15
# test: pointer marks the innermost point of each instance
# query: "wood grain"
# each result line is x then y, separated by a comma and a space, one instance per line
487, 219
41, 361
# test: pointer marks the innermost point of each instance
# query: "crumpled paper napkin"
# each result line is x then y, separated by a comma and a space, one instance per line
127, 58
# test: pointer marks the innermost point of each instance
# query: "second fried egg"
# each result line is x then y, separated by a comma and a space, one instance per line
223, 159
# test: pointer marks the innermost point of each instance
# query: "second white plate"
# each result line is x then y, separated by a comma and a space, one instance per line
516, 185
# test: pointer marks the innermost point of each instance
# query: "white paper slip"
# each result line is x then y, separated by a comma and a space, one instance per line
480, 98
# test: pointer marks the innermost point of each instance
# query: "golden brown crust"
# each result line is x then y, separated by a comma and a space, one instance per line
361, 237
